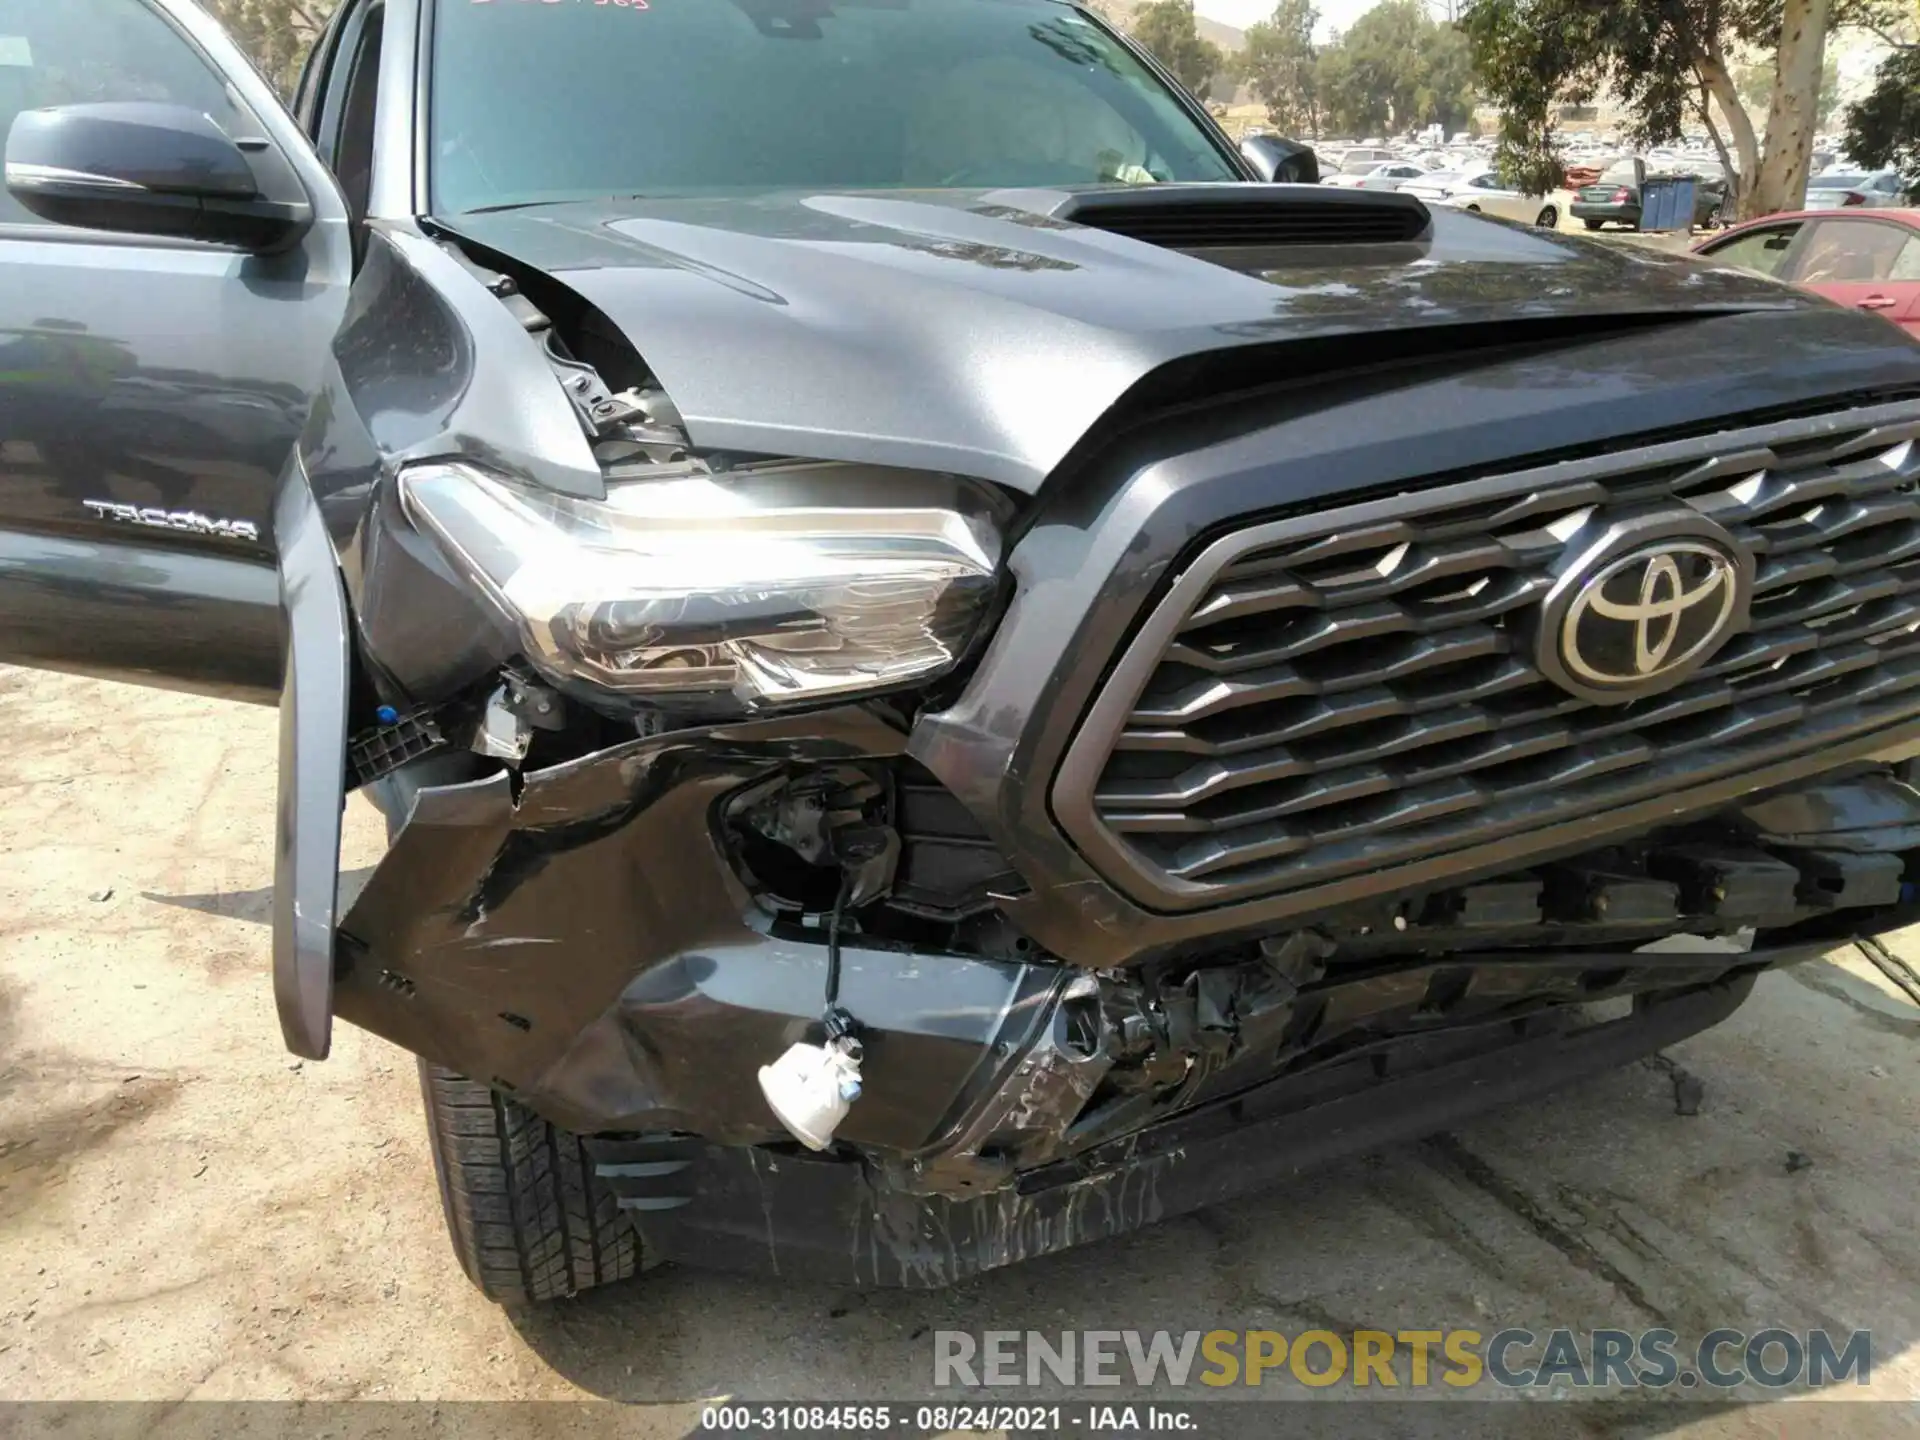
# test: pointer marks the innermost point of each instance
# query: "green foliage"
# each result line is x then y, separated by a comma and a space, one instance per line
275, 33
1664, 59
1754, 82
1281, 63
1167, 29
1534, 55
1884, 128
1395, 70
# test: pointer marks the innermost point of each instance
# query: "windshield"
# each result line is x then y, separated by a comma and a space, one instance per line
536, 101
1837, 182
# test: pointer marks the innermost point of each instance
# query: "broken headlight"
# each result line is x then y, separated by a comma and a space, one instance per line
772, 584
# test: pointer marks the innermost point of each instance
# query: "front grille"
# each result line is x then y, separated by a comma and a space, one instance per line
1353, 690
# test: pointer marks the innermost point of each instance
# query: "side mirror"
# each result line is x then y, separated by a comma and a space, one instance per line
1278, 161
146, 169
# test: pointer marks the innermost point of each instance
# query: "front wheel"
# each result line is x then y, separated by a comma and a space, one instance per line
527, 1216
1473, 209
1548, 219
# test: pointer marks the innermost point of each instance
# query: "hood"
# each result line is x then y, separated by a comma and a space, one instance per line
974, 332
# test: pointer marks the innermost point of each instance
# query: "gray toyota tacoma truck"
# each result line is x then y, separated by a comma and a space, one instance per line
951, 674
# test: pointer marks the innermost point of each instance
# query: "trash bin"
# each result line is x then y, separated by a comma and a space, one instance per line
1666, 203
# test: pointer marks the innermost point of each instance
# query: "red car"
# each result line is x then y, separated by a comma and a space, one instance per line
1869, 259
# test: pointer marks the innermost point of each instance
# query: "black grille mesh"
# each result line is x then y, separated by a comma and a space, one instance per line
1297, 222
1358, 695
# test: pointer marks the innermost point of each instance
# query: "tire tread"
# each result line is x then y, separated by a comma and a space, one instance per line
527, 1217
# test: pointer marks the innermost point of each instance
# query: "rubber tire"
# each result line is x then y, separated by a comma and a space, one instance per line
1593, 224
1473, 209
528, 1220
1548, 218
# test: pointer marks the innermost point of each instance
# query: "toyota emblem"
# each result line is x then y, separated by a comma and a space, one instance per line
1636, 614
1655, 610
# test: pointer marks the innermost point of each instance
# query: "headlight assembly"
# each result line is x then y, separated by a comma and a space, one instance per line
773, 584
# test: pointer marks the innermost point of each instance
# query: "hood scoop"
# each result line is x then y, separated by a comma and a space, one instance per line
1240, 217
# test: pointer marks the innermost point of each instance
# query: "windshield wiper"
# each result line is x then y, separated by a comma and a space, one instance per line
506, 205
509, 205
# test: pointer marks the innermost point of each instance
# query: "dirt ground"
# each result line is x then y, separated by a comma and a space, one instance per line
186, 1212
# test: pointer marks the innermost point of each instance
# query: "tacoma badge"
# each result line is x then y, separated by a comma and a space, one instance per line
190, 521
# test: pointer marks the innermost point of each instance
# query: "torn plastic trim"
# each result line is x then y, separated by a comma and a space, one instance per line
1119, 1054
587, 945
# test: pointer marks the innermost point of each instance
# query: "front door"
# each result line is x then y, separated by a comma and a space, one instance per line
151, 389
1862, 263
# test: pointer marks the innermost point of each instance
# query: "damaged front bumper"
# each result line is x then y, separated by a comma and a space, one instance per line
835, 1220
583, 939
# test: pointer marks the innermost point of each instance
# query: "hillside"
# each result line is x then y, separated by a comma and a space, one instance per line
1121, 13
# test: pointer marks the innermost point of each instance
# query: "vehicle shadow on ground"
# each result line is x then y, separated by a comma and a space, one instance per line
1597, 1207
254, 907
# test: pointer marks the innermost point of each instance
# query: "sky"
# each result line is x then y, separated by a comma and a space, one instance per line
1334, 14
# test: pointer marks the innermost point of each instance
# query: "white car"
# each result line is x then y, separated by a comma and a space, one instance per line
1485, 194
1436, 185
1354, 157
1387, 175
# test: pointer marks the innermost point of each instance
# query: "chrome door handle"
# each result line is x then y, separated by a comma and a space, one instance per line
1877, 302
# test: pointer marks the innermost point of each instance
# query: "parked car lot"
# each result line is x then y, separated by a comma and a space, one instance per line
1615, 198
185, 1212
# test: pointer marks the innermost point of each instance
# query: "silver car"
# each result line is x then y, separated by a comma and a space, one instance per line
1388, 175
1845, 189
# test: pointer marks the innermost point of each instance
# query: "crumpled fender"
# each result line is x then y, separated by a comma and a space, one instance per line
435, 367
